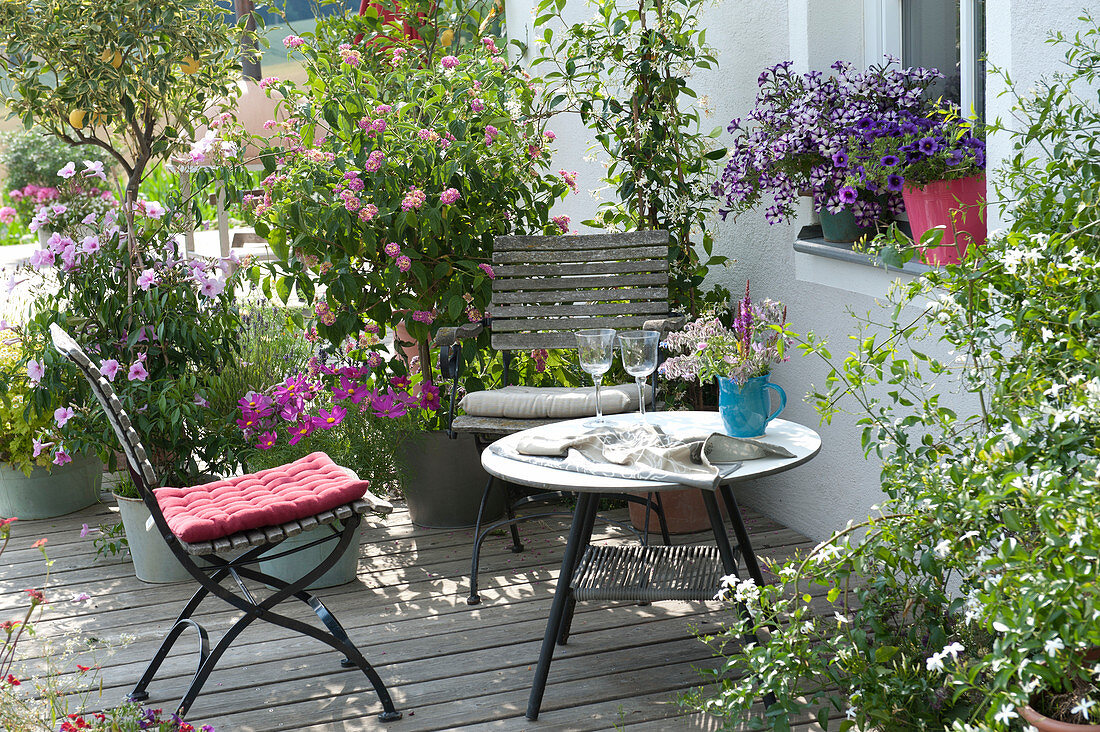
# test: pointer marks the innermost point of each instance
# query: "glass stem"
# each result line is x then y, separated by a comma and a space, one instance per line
598, 381
641, 393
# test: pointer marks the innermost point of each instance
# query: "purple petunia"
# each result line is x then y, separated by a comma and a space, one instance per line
848, 195
894, 182
928, 145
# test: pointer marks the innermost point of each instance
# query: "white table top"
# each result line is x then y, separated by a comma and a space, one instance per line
800, 440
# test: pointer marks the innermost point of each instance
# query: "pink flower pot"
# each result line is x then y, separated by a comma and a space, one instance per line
956, 205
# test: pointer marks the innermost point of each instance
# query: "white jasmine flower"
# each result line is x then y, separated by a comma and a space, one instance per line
953, 650
935, 662
1053, 645
1083, 707
1005, 714
943, 548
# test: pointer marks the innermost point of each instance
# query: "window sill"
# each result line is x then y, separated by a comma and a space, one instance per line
836, 265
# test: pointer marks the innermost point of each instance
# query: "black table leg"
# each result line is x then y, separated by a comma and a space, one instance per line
742, 534
578, 539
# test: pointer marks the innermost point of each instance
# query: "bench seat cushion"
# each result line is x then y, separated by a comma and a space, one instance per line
551, 402
294, 491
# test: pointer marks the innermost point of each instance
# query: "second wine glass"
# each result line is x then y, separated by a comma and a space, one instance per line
594, 351
639, 352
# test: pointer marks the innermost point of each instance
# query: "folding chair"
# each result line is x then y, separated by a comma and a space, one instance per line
253, 514
545, 288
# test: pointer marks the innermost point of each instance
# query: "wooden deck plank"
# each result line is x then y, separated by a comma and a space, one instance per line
448, 665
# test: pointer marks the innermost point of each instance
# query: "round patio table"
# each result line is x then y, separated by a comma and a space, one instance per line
642, 573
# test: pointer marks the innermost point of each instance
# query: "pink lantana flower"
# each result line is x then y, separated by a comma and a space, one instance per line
487, 269
404, 263
449, 62
293, 41
449, 196
562, 222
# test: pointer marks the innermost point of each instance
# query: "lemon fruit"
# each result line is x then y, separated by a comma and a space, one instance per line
114, 57
190, 65
76, 118
447, 36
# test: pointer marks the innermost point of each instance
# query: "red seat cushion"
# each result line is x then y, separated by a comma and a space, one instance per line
293, 491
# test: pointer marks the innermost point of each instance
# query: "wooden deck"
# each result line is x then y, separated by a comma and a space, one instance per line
447, 664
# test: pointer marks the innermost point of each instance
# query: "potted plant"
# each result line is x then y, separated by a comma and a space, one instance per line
737, 350
937, 161
39, 477
798, 142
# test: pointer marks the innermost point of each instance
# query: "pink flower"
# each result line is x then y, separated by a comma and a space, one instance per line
379, 125
62, 415
293, 41
39, 446
268, 81
382, 109
413, 200
476, 105
212, 286
302, 429
393, 250
94, 169
368, 212
374, 161
61, 456
490, 45
42, 258
137, 372
550, 136
404, 263
449, 196
449, 62
326, 420
68, 171
562, 222
7, 214
147, 279
90, 244
200, 402
490, 134
423, 316
35, 371
351, 57
488, 270
109, 369
569, 178
267, 440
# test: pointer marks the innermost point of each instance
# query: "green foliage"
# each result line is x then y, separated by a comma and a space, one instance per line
661, 164
393, 210
126, 65
20, 420
972, 591
34, 156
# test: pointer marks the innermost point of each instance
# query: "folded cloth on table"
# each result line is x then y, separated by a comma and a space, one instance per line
643, 452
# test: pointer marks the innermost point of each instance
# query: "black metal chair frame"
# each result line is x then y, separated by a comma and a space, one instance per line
645, 248
257, 544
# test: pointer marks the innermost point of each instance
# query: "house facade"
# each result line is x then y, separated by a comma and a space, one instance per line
820, 286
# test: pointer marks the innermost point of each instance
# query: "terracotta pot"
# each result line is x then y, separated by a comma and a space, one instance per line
1046, 724
684, 513
957, 205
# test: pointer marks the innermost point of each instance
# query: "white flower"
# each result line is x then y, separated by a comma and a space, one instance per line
935, 662
1083, 707
1005, 714
953, 650
850, 713
942, 549
1053, 645
840, 619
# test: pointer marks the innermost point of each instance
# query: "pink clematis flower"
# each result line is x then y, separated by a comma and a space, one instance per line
109, 369
62, 415
35, 371
137, 372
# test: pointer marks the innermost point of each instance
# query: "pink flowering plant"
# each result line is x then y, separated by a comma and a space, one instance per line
403, 165
160, 325
708, 347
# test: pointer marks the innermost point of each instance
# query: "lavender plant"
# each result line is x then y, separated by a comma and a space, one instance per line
706, 348
799, 138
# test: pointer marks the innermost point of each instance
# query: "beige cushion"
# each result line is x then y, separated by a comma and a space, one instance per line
551, 402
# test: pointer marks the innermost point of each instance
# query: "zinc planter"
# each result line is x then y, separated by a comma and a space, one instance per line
292, 567
444, 482
50, 493
153, 560
841, 228
957, 205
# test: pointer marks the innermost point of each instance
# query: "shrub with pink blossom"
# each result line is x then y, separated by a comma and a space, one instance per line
161, 331
440, 178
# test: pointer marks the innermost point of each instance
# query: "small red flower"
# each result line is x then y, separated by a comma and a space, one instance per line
40, 542
83, 668
12, 680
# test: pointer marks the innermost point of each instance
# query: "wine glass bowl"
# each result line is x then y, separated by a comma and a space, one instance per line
639, 353
595, 348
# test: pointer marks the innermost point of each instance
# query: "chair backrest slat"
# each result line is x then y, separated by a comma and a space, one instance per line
547, 287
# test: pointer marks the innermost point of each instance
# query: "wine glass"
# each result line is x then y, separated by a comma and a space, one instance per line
639, 352
594, 351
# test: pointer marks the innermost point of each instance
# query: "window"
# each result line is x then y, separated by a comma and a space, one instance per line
945, 34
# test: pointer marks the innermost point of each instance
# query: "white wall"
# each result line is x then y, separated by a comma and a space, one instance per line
839, 485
